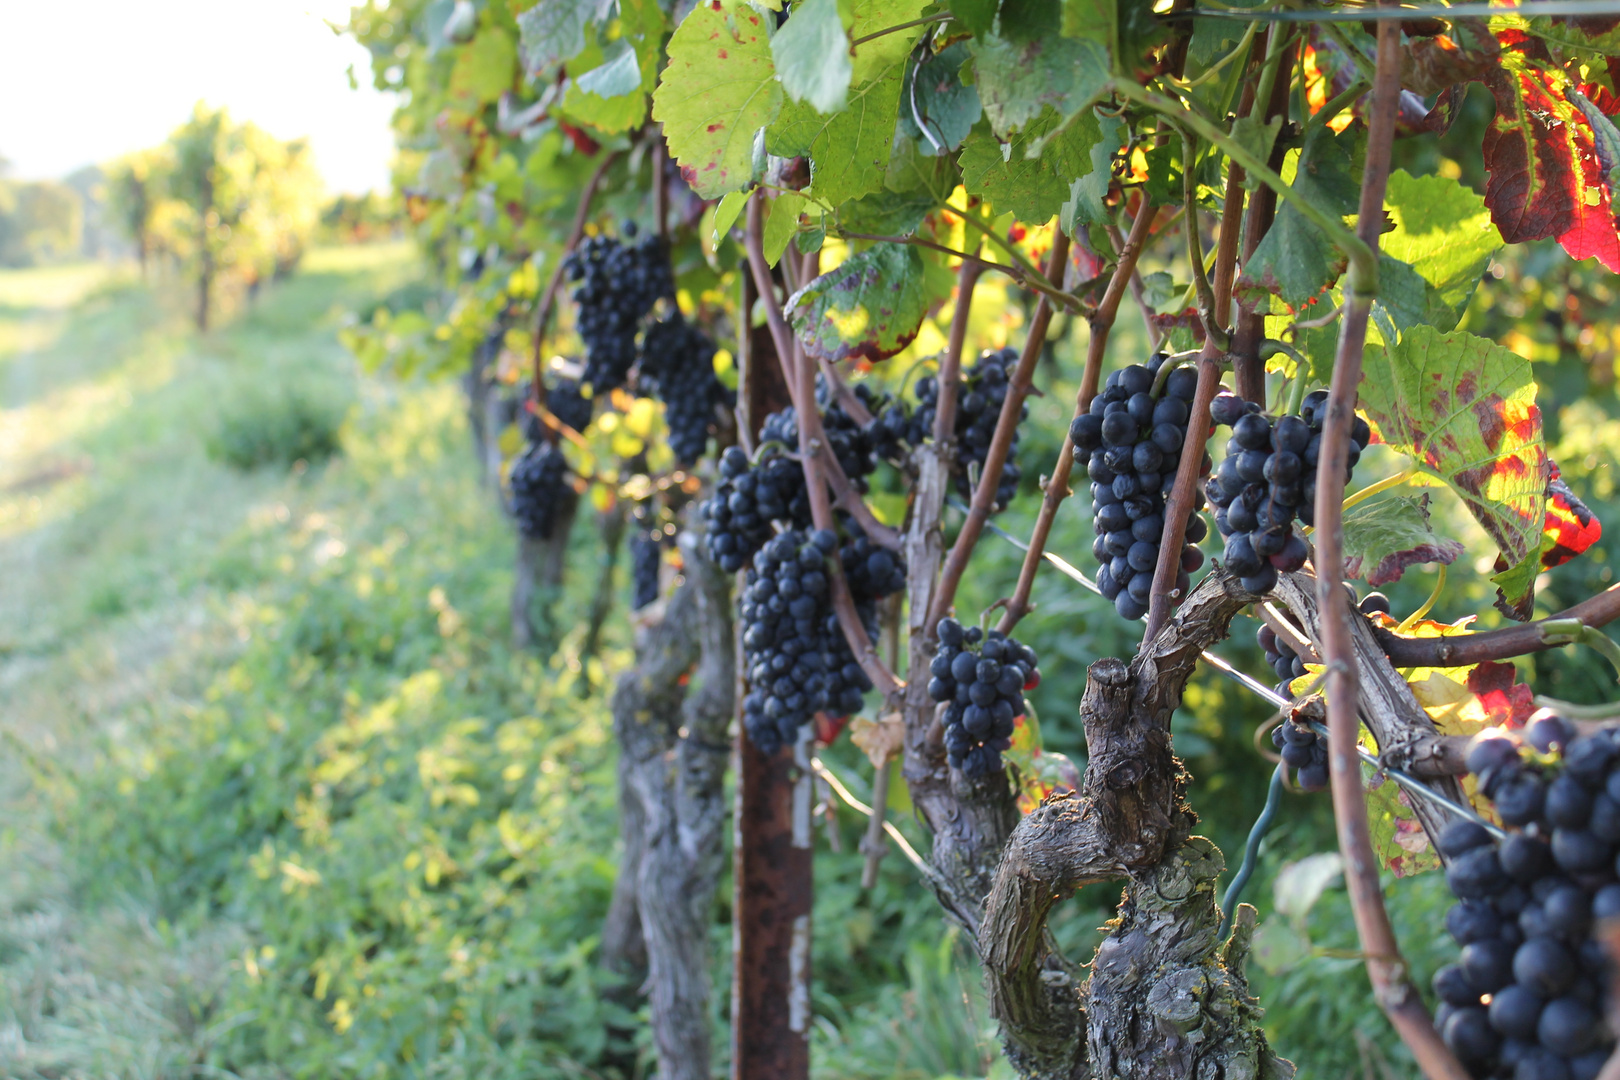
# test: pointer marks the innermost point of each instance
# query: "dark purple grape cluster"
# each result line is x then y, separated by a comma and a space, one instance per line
538, 481
795, 655
1267, 480
980, 678
980, 393
563, 400
750, 496
677, 366
1302, 749
1129, 445
617, 282
1526, 997
746, 500
646, 558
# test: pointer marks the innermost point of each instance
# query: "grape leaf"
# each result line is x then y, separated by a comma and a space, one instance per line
617, 75
718, 90
942, 108
979, 16
1542, 157
1463, 409
1397, 836
1571, 526
1032, 189
884, 51
782, 224
812, 56
1016, 81
1093, 20
1383, 538
887, 213
1086, 203
1444, 232
849, 150
553, 31
1295, 260
871, 305
486, 66
726, 211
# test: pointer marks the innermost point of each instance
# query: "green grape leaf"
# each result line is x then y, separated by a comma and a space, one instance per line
617, 75
979, 16
1296, 260
870, 306
1463, 409
485, 67
849, 150
1016, 81
1087, 196
812, 56
876, 56
887, 213
725, 213
553, 31
1444, 232
718, 90
1383, 538
943, 109
1095, 20
1397, 836
782, 223
1032, 189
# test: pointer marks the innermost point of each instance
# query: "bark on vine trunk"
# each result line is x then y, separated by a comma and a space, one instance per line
1162, 1000
673, 754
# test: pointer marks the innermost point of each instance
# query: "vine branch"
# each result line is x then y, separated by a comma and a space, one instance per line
548, 299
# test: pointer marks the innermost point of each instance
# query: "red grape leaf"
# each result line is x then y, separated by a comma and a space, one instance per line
1546, 177
1385, 537
1571, 527
1463, 409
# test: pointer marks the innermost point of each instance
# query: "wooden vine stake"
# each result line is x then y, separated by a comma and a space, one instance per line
772, 876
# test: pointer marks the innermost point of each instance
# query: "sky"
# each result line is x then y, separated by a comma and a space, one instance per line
83, 82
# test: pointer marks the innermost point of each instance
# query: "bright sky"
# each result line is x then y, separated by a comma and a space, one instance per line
86, 81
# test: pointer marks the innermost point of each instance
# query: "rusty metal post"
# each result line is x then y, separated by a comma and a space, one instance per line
771, 868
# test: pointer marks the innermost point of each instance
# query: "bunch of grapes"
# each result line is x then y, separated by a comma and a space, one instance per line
677, 364
749, 496
981, 390
1526, 997
1129, 445
538, 481
646, 557
616, 284
1266, 481
1302, 749
981, 679
564, 400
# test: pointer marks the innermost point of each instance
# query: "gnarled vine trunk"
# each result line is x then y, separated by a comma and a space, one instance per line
673, 755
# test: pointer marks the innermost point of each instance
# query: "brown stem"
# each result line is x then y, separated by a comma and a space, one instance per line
1504, 644
1249, 371
984, 496
1040, 283
660, 190
1057, 485
754, 243
548, 298
1385, 967
1183, 497
950, 368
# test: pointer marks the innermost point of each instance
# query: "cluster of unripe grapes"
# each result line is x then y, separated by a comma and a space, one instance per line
677, 366
617, 282
1526, 996
1129, 445
1267, 480
797, 659
979, 680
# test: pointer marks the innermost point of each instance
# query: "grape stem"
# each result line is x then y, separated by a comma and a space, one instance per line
1056, 486
1207, 313
1387, 970
1381, 486
984, 496
1428, 605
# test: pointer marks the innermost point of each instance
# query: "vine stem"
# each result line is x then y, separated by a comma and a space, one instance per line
1030, 279
548, 299
660, 192
814, 451
1057, 484
1387, 970
984, 496
1249, 374
1381, 486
